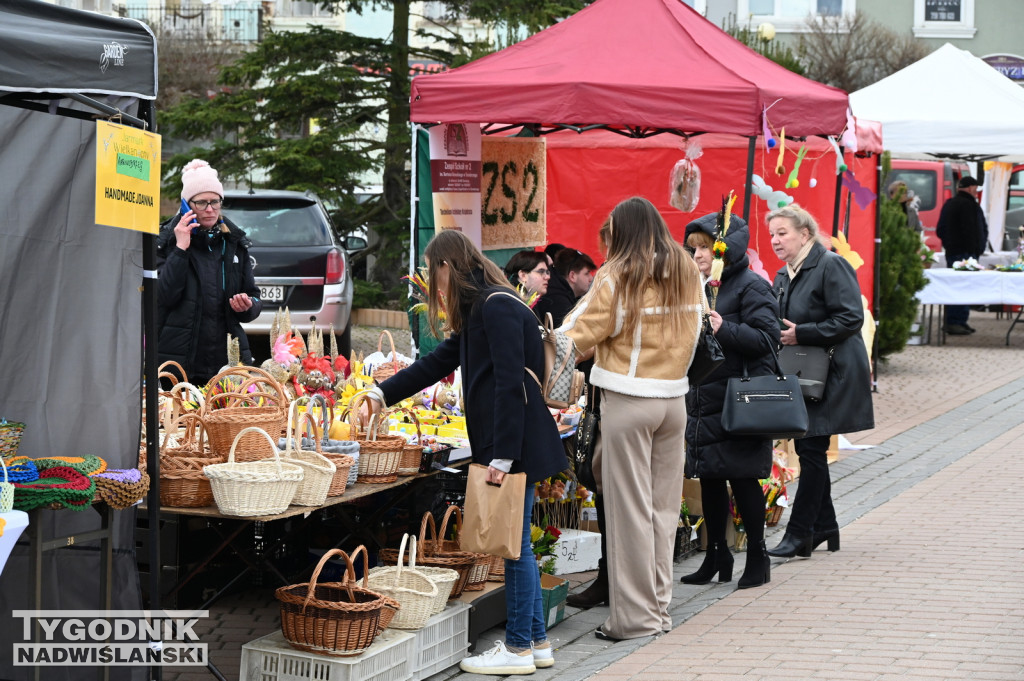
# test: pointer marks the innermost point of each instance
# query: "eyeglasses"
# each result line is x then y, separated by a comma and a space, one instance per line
543, 272
203, 205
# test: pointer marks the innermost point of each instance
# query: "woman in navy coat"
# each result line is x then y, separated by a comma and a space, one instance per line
494, 338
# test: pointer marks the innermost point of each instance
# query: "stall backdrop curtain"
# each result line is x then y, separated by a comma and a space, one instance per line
70, 354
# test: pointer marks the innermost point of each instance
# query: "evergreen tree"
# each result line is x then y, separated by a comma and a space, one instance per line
303, 110
901, 273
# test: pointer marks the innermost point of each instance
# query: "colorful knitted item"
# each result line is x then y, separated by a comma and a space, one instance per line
125, 475
60, 485
86, 465
121, 488
21, 469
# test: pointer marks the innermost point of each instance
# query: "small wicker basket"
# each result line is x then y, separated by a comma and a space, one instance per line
182, 482
318, 470
379, 454
412, 454
334, 618
415, 591
10, 437
383, 372
254, 487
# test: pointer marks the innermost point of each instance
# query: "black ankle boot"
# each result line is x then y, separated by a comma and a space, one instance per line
717, 560
832, 537
595, 594
793, 545
758, 570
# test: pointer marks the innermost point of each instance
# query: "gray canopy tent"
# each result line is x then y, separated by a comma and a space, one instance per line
71, 317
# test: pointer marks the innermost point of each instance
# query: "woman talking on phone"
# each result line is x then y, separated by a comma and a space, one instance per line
205, 288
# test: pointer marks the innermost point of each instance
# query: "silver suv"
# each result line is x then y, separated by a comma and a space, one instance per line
297, 262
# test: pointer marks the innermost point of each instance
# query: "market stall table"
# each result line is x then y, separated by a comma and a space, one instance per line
956, 287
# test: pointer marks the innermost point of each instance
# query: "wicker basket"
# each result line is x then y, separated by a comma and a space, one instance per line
496, 573
383, 372
477, 579
334, 618
253, 487
164, 371
10, 437
7, 496
773, 516
379, 454
412, 454
461, 562
414, 590
172, 404
226, 415
182, 482
318, 470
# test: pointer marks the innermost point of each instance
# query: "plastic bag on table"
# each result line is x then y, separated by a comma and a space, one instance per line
684, 180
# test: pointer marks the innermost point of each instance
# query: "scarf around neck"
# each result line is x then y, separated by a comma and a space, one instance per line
794, 268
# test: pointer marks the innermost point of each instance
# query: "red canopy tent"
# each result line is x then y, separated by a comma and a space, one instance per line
638, 65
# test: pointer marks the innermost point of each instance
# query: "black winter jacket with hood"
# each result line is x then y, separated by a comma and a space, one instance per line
193, 289
748, 307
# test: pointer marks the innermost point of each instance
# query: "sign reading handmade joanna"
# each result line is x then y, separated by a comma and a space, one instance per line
514, 212
455, 178
127, 177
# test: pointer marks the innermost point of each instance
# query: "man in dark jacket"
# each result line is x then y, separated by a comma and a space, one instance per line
963, 232
205, 289
571, 276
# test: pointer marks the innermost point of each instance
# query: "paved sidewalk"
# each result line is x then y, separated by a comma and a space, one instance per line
926, 586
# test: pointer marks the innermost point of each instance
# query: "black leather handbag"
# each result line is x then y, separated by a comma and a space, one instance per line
586, 439
810, 364
764, 406
707, 356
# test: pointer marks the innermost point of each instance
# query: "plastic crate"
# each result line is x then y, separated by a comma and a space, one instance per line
443, 640
271, 658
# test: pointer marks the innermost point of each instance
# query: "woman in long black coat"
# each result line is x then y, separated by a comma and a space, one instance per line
494, 339
745, 320
820, 304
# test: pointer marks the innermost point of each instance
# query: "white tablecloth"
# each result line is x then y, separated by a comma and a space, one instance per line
952, 287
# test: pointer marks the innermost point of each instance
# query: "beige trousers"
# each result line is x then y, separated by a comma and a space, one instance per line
638, 464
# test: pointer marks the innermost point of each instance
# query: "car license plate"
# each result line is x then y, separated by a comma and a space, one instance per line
272, 294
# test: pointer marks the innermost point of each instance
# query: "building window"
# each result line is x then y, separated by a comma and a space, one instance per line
944, 19
700, 5
792, 15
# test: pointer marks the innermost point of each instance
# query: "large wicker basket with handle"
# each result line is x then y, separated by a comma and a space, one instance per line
459, 561
334, 618
343, 463
254, 487
182, 482
477, 579
380, 454
413, 589
232, 407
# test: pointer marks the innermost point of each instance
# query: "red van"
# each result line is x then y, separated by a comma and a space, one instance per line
933, 182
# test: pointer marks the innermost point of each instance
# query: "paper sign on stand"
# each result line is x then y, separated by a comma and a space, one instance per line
455, 178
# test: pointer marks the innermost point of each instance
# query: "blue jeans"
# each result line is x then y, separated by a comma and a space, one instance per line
957, 315
524, 608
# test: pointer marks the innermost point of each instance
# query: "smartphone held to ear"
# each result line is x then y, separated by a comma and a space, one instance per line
184, 209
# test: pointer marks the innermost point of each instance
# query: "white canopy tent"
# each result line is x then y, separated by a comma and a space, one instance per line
953, 104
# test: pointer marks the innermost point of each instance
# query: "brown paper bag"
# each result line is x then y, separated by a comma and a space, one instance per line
493, 521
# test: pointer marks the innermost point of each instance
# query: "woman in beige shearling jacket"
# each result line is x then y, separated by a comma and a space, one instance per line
641, 317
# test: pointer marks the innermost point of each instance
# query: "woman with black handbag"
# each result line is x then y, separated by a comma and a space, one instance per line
820, 303
745, 311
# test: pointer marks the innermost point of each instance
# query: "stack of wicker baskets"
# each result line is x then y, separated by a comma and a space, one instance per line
441, 547
460, 561
182, 482
239, 398
417, 593
334, 618
251, 488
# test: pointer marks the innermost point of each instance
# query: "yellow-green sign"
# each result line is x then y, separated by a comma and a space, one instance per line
127, 177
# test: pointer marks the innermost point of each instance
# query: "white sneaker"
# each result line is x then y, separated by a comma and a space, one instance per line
499, 660
543, 655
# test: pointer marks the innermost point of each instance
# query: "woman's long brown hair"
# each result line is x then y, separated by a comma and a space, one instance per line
453, 248
642, 254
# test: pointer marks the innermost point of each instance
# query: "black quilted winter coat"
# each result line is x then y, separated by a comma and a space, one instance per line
748, 307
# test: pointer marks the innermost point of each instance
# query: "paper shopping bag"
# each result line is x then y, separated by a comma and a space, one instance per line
493, 521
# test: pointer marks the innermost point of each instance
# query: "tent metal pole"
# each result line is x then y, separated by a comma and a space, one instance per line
839, 198
111, 111
748, 183
149, 323
413, 231
877, 273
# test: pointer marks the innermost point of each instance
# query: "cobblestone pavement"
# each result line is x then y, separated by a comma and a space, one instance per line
926, 585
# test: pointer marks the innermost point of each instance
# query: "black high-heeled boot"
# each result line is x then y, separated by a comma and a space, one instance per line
793, 545
758, 570
832, 537
717, 560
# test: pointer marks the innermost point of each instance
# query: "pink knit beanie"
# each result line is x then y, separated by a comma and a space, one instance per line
197, 177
